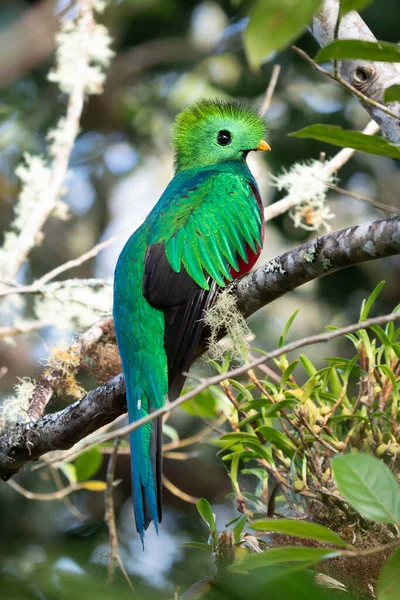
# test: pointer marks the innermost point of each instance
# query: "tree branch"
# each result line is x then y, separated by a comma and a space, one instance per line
370, 78
102, 405
319, 257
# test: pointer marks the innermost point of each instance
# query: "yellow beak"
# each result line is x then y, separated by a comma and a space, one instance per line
262, 146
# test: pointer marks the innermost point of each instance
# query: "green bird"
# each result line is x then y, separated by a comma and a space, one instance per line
206, 230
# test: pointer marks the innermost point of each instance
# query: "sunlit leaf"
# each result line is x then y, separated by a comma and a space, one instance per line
308, 388
88, 463
308, 366
287, 373
369, 487
206, 513
333, 134
352, 49
302, 529
285, 331
69, 471
93, 486
368, 304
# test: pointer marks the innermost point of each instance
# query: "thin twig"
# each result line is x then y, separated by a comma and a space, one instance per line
270, 89
58, 495
177, 492
24, 328
195, 439
109, 517
38, 286
375, 203
339, 79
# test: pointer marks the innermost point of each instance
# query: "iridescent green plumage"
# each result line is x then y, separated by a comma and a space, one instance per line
205, 231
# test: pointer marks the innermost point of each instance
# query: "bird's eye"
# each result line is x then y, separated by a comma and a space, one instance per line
224, 138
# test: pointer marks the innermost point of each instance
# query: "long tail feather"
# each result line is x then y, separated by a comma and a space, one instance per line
145, 445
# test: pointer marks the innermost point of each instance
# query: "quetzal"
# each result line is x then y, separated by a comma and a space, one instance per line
205, 231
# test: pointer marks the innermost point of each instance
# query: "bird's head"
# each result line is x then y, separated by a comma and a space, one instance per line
213, 131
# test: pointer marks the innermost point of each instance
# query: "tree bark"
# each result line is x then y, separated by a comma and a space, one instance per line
370, 78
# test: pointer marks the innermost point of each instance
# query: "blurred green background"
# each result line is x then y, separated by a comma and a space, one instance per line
168, 53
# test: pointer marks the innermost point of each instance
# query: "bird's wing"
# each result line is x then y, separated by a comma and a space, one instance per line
224, 225
215, 223
183, 302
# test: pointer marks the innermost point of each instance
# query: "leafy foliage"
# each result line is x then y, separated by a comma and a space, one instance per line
392, 94
348, 5
286, 433
274, 24
333, 134
350, 49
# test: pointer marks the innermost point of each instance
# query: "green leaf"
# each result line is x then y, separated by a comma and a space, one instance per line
348, 5
389, 578
367, 304
350, 49
259, 450
237, 436
389, 373
198, 545
255, 404
88, 463
69, 470
302, 529
249, 419
287, 327
278, 439
206, 513
274, 24
308, 388
369, 487
275, 408
287, 373
333, 134
308, 366
242, 389
283, 555
238, 528
392, 94
204, 404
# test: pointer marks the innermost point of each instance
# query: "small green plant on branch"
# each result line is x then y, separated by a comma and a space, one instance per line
369, 488
309, 451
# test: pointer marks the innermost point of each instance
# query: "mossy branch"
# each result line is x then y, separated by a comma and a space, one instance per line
102, 405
